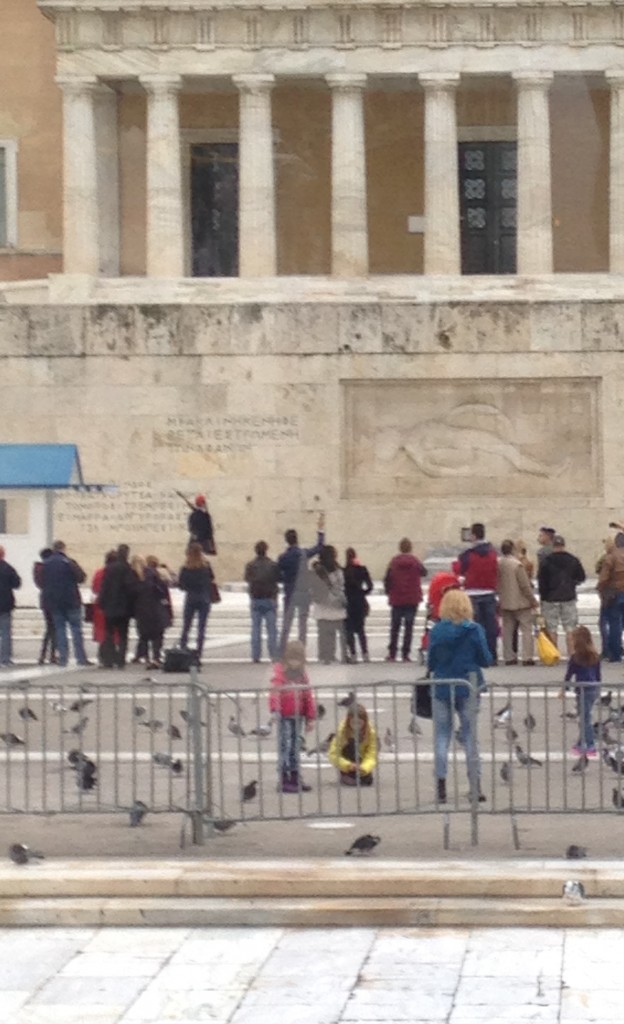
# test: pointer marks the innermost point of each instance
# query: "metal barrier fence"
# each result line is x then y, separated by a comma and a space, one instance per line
213, 754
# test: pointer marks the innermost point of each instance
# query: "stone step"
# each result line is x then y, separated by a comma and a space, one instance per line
310, 893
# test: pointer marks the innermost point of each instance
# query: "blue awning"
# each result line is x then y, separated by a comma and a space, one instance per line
48, 466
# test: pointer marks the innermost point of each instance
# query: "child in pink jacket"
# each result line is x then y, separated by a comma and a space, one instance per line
292, 700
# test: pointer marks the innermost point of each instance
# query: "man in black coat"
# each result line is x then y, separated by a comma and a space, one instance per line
9, 582
116, 598
60, 577
558, 577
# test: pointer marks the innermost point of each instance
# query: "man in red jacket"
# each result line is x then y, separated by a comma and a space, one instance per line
404, 590
479, 567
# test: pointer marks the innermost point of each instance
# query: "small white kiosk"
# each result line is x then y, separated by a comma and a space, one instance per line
29, 476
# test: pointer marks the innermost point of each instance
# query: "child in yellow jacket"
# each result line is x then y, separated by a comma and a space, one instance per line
353, 749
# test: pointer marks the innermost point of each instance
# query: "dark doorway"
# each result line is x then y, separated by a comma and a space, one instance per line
214, 209
487, 204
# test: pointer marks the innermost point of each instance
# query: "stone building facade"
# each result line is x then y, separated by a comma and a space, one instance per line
360, 256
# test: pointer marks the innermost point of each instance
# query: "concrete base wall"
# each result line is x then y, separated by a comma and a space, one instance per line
395, 416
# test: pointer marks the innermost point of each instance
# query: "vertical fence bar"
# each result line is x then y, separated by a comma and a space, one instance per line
198, 773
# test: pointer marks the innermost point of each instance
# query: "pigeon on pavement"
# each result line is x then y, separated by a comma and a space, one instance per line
573, 893
363, 844
223, 825
174, 732
503, 716
529, 722
21, 854
153, 724
137, 813
347, 701
505, 771
525, 759
323, 746
250, 791
235, 728
138, 711
262, 730
27, 713
11, 739
575, 852
80, 704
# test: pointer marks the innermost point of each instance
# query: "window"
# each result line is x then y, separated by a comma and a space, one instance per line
8, 192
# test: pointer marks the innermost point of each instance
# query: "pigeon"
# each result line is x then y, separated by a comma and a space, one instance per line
223, 825
529, 722
347, 701
414, 727
11, 739
363, 844
163, 760
388, 740
505, 771
27, 713
510, 734
79, 727
85, 768
235, 728
137, 813
138, 711
503, 716
148, 679
580, 765
174, 732
525, 759
618, 799
573, 893
321, 711
614, 760
575, 852
263, 730
80, 704
605, 699
189, 719
21, 854
177, 767
153, 724
323, 746
58, 708
250, 791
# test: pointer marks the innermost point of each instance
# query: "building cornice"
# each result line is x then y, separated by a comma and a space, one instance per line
339, 25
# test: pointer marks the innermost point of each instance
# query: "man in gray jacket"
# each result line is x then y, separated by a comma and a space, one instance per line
516, 602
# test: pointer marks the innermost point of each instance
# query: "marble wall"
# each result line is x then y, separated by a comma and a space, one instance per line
395, 417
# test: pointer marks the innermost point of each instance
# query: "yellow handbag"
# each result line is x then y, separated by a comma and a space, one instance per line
546, 650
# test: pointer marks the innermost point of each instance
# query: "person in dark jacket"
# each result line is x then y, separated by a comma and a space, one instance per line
49, 636
9, 583
293, 574
558, 577
403, 587
479, 567
149, 611
358, 584
116, 599
457, 650
61, 576
200, 526
261, 577
195, 578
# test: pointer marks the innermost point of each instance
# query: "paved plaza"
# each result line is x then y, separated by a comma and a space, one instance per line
302, 976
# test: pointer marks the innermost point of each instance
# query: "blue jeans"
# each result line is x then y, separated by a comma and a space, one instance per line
195, 604
288, 744
71, 617
401, 613
615, 617
6, 647
586, 696
603, 625
467, 707
484, 607
263, 608
301, 605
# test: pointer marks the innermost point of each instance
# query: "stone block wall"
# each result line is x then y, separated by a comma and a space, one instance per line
394, 417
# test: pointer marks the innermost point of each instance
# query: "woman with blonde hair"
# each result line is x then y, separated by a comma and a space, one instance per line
458, 648
353, 750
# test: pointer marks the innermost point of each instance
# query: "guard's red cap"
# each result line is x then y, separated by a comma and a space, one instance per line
200, 500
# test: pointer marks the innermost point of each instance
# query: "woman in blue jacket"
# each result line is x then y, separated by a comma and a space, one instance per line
457, 649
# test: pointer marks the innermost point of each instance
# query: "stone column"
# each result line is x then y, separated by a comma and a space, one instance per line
257, 256
165, 236
442, 239
81, 248
535, 243
348, 214
107, 146
616, 173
